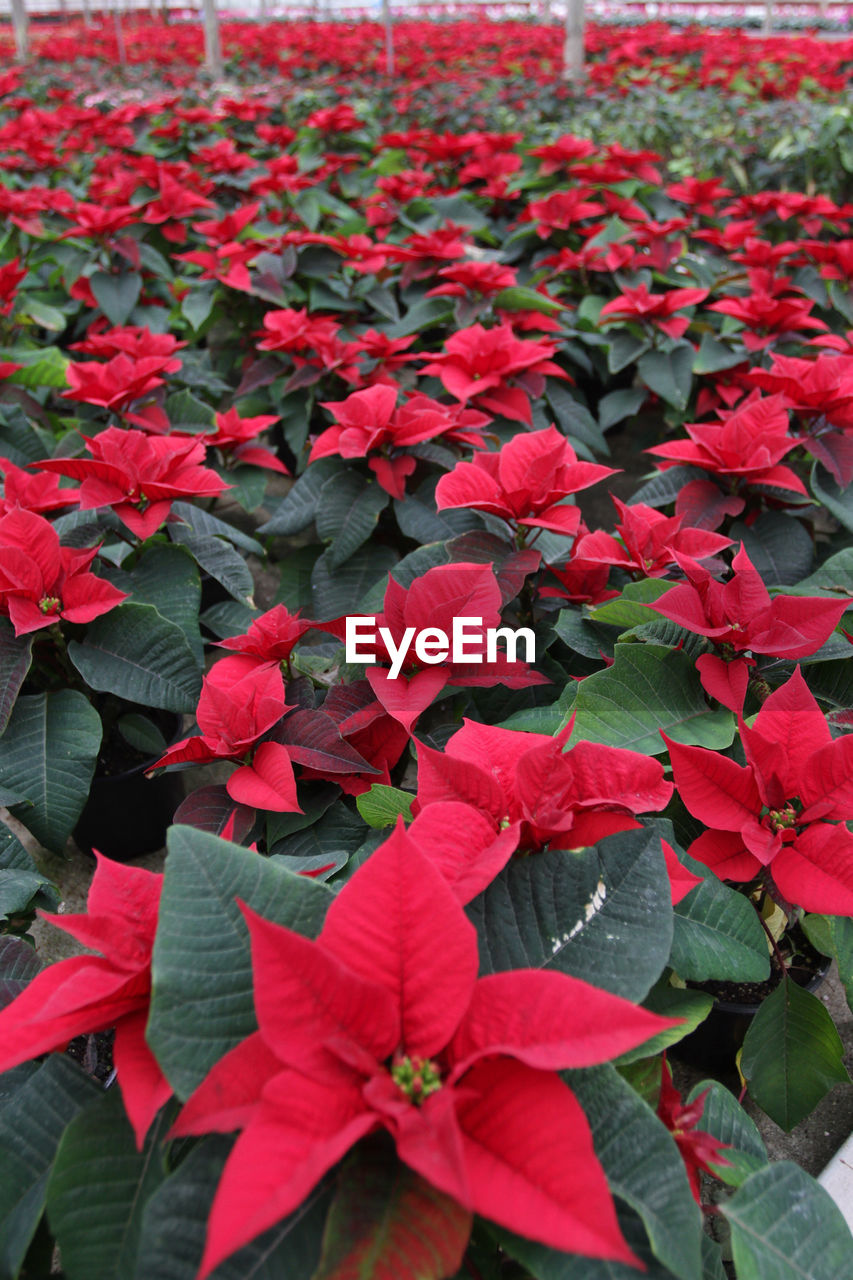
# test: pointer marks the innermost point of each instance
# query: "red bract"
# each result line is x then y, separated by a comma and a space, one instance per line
526, 482
32, 492
271, 637
241, 700
234, 437
561, 799
134, 341
96, 992
741, 615
782, 815
369, 421
495, 369
765, 314
118, 382
649, 541
747, 447
654, 308
11, 275
699, 1150
435, 600
381, 1023
138, 475
41, 582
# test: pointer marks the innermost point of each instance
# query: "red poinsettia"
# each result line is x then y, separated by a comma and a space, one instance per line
41, 581
32, 492
746, 447
526, 482
236, 439
740, 615
658, 309
116, 383
434, 601
381, 1023
138, 475
698, 1149
783, 814
96, 992
271, 637
495, 370
561, 799
370, 422
648, 541
241, 700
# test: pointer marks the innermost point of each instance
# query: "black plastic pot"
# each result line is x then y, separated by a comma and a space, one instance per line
715, 1043
127, 814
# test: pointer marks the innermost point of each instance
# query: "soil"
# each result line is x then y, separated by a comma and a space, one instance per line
94, 1053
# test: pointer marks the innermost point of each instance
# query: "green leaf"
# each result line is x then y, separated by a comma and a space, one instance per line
347, 514
718, 935
43, 367
575, 419
167, 577
624, 350
339, 591
618, 405
602, 914
714, 356
631, 609
649, 688
381, 806
837, 500
174, 1227
643, 1166
137, 654
22, 891
552, 1264
725, 1119
142, 734
187, 413
48, 754
786, 1227
834, 577
519, 298
792, 1054
19, 964
201, 1003
386, 1220
15, 658
198, 303
299, 507
691, 1007
98, 1187
202, 521
669, 374
779, 546
31, 1126
117, 295
833, 936
219, 559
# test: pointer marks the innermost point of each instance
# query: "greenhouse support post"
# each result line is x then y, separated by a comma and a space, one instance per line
573, 54
212, 46
19, 22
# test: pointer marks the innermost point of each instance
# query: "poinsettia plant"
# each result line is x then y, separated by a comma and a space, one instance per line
282, 365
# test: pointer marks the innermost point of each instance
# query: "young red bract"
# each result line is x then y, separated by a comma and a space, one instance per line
495, 370
382, 1023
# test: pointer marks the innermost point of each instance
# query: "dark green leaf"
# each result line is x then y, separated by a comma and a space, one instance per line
15, 658
201, 1004
786, 1227
117, 295
602, 914
347, 514
647, 689
31, 1126
137, 654
725, 1119
669, 374
792, 1054
48, 754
